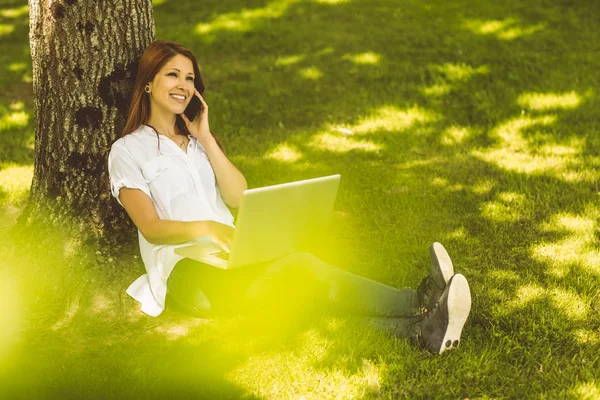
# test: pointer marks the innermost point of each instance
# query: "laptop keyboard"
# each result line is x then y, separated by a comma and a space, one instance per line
221, 254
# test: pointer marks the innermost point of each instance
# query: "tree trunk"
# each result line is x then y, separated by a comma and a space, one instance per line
84, 56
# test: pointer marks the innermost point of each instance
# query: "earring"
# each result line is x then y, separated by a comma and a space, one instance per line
147, 89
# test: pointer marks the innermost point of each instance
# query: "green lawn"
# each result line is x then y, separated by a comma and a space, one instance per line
472, 123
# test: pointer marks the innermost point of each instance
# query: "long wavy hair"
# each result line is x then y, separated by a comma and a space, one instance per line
155, 56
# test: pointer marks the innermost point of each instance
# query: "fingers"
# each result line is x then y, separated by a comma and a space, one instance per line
185, 118
197, 93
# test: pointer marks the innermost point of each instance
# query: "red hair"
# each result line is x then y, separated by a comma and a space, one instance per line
155, 56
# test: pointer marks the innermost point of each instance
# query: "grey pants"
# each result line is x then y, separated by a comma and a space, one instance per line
299, 283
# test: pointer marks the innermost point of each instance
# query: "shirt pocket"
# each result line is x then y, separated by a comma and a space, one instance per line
165, 179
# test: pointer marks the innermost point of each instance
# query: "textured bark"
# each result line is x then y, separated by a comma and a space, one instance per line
84, 57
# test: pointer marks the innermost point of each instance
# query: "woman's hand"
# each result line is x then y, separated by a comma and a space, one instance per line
221, 234
199, 126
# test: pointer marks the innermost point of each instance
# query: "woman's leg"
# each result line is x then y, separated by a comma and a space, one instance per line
304, 278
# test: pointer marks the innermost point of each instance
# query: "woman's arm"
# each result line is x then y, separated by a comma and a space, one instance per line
230, 180
141, 210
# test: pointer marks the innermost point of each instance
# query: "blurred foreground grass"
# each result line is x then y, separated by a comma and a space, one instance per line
475, 125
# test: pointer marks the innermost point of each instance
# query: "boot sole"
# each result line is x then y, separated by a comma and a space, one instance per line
440, 256
459, 306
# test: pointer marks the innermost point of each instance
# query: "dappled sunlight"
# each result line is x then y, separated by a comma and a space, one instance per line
440, 182
311, 73
538, 155
369, 58
461, 71
508, 207
16, 105
460, 233
16, 67
510, 133
584, 336
507, 29
586, 391
455, 135
285, 153
16, 119
393, 119
436, 90
15, 12
524, 295
483, 186
243, 21
15, 181
6, 29
341, 144
569, 302
288, 60
296, 372
579, 247
549, 101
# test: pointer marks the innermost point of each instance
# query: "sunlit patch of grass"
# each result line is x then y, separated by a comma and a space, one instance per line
436, 90
16, 105
577, 248
483, 186
584, 336
460, 233
514, 152
510, 132
311, 73
15, 181
288, 60
17, 119
586, 391
369, 58
17, 67
569, 302
391, 118
507, 29
508, 207
285, 153
445, 183
6, 29
244, 20
296, 373
454, 135
549, 101
15, 12
525, 294
461, 71
342, 144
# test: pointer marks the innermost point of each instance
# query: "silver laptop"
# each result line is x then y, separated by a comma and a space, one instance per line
272, 222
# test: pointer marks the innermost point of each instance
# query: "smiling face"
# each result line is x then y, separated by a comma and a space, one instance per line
175, 78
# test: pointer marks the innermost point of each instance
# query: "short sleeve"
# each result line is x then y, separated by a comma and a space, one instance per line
124, 171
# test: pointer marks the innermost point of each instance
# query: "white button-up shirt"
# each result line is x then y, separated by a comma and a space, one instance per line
182, 188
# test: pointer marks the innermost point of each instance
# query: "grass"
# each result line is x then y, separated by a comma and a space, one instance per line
472, 124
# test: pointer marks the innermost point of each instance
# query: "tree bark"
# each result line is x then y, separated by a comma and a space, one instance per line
84, 57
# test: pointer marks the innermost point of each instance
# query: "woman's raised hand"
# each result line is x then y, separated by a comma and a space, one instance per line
199, 126
221, 234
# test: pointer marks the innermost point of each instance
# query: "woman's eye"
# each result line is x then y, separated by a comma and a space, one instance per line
190, 78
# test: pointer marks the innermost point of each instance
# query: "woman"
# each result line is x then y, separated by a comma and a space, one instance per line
172, 177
